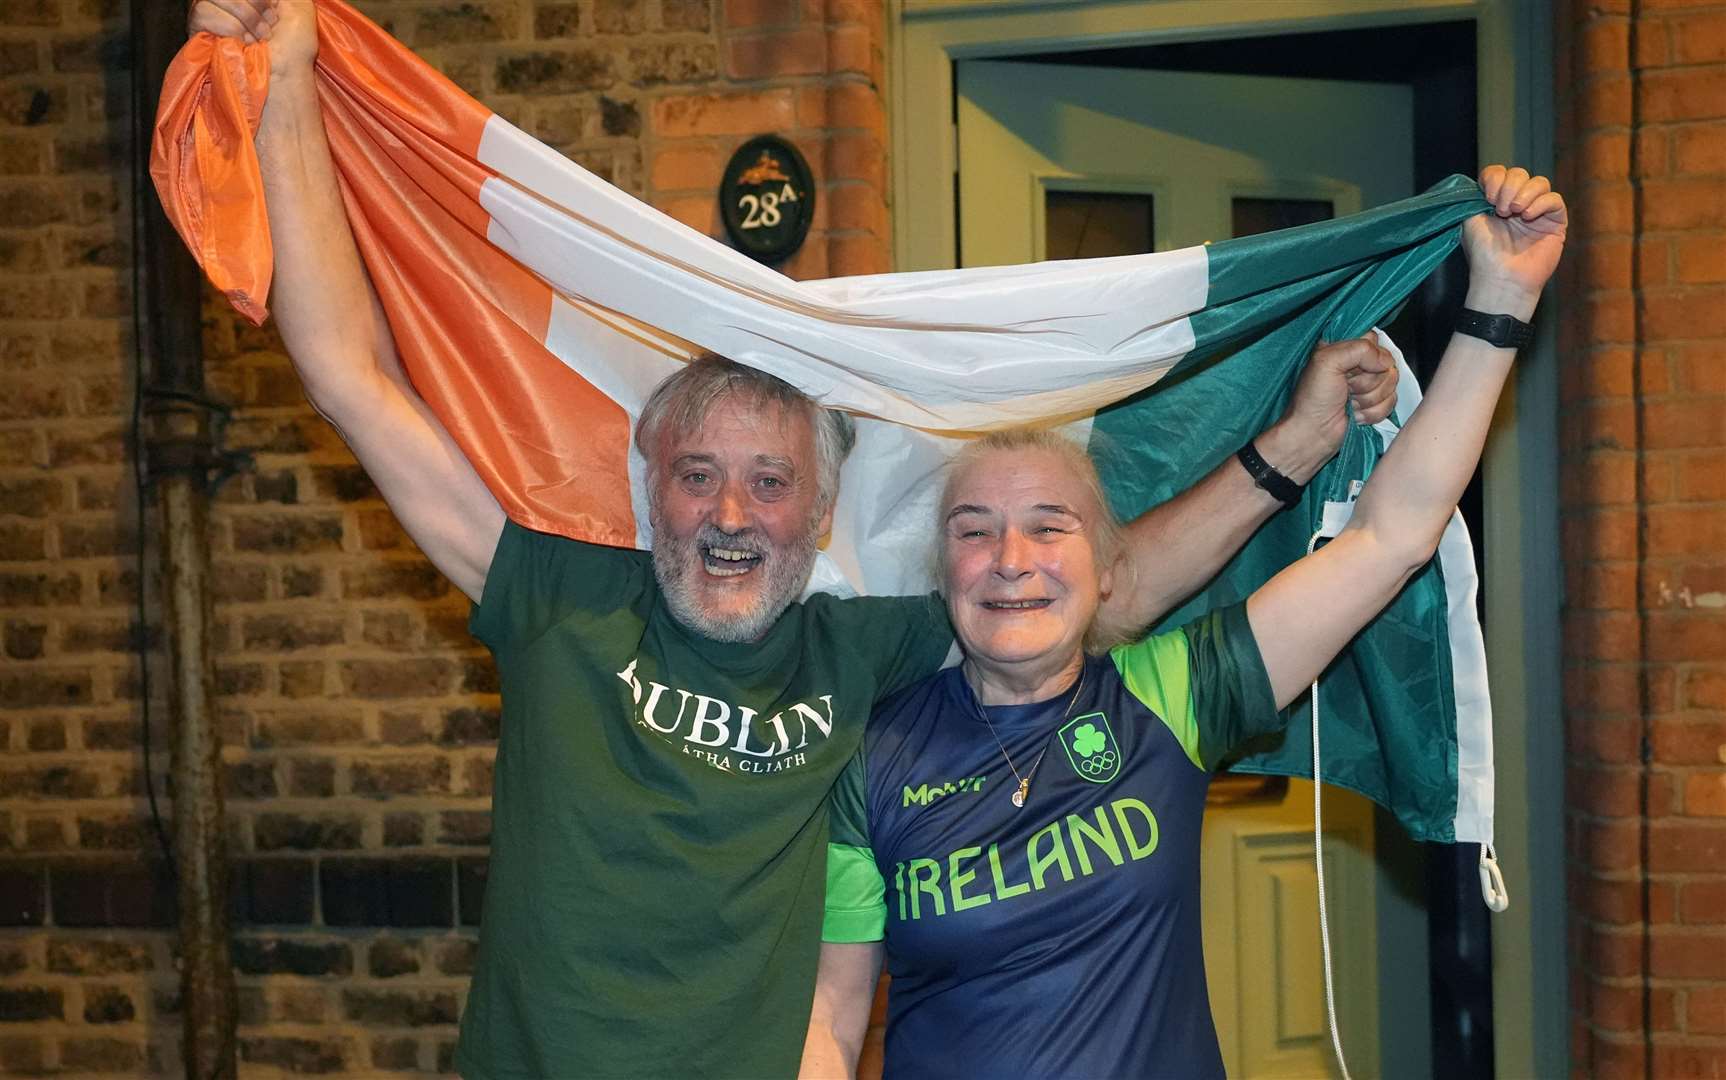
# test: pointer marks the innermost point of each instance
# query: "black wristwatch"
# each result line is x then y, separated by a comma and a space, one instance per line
1504, 331
1265, 475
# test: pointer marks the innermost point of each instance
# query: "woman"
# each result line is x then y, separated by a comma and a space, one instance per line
1029, 821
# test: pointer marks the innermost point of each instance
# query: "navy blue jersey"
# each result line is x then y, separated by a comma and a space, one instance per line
1061, 938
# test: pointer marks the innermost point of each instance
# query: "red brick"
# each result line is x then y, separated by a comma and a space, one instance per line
1700, 148
1699, 39
1684, 315
1604, 44
1583, 11
1651, 44
1609, 318
1703, 576
1702, 476
1701, 259
1705, 1010
857, 157
1653, 152
856, 105
1601, 534
1619, 902
860, 254
1620, 1059
687, 167
802, 51
1599, 425
857, 207
751, 14
1608, 688
1691, 741
1607, 372
1683, 530
1662, 684
1603, 587
1703, 903
1695, 424
1604, 101
1658, 479
1682, 94
1705, 794
1684, 203
1653, 262
1613, 740
1611, 846
812, 106
852, 50
1602, 635
1619, 1008
1606, 479
810, 260
1687, 955
1685, 847
741, 113
1614, 952
699, 212
1606, 263
854, 11
1690, 1060
1615, 1008
1705, 688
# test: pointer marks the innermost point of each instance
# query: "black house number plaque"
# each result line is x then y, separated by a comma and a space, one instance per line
767, 199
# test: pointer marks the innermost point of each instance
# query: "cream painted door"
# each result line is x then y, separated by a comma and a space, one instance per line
1068, 161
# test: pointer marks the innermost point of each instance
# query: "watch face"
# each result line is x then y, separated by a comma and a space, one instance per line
767, 199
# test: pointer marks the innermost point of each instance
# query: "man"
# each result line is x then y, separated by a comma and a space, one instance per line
672, 722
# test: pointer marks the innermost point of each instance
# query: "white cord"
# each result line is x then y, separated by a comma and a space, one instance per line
1323, 918
1318, 863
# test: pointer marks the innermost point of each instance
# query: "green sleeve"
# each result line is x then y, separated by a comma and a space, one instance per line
856, 894
1206, 681
536, 580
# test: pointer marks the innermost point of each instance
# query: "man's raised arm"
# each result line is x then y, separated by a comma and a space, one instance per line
1175, 548
329, 315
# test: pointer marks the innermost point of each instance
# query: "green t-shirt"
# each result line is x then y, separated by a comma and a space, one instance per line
659, 836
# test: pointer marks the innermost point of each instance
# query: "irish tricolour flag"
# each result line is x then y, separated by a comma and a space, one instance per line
535, 306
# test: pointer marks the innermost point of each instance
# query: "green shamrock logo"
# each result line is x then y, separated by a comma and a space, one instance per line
1087, 740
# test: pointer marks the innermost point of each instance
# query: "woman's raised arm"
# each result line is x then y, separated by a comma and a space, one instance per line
1305, 615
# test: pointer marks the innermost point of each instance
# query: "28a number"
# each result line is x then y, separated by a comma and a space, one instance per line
762, 212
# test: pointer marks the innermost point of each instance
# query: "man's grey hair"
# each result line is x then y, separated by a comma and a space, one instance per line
680, 405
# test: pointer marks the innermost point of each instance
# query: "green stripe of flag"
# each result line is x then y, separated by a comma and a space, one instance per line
1388, 704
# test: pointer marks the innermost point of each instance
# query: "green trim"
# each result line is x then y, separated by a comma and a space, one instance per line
856, 896
1157, 672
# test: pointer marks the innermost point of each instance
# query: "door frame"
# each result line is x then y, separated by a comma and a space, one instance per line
1515, 65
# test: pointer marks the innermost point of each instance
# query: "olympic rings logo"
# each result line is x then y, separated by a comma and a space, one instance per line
1097, 764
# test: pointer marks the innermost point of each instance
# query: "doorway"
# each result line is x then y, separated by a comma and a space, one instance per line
1075, 89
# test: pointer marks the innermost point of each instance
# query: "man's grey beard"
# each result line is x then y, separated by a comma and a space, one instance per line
783, 573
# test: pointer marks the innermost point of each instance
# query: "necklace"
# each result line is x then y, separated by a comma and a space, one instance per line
1023, 791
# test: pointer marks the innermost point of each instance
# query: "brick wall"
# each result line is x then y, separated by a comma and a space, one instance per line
360, 718
1642, 90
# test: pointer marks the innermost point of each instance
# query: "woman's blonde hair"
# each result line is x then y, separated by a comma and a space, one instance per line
1103, 529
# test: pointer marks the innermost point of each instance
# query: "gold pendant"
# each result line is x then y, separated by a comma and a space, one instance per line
1019, 796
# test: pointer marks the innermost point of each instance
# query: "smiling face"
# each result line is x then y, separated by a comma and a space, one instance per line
1019, 562
737, 515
